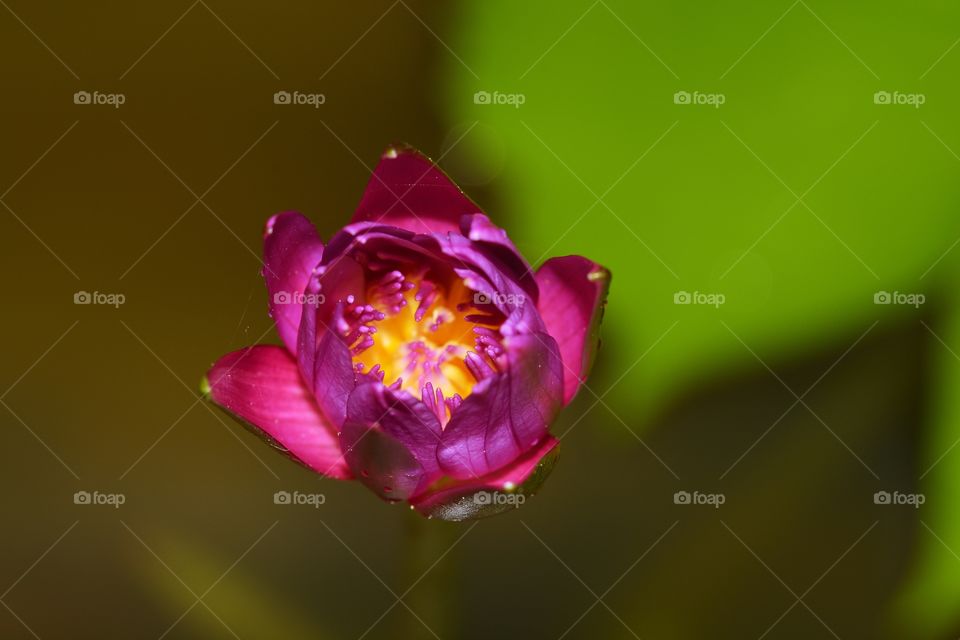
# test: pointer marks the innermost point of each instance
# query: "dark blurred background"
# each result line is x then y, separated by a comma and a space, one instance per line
797, 160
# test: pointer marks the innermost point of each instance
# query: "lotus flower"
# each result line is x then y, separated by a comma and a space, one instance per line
421, 354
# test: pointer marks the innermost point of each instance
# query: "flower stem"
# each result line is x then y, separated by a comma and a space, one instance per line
431, 578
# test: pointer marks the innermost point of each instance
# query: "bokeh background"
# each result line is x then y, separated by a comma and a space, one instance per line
797, 162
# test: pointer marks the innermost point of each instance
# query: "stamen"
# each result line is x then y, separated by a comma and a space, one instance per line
479, 367
418, 329
439, 317
363, 345
426, 294
483, 318
488, 342
374, 375
429, 398
454, 401
440, 404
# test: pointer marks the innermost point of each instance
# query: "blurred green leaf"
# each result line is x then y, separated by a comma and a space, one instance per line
797, 199
928, 608
239, 601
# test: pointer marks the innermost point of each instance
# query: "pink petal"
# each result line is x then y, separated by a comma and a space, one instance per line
573, 292
291, 250
261, 386
478, 497
408, 190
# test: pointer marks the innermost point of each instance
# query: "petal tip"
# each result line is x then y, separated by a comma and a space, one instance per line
599, 274
205, 387
268, 227
397, 149
273, 220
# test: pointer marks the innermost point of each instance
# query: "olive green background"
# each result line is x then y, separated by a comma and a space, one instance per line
798, 199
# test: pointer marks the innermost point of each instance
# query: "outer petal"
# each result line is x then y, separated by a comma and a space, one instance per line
573, 293
390, 441
261, 386
291, 249
507, 414
408, 190
494, 493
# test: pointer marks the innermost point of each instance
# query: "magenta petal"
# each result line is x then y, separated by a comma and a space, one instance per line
324, 359
484, 274
573, 293
291, 250
408, 190
497, 246
493, 493
325, 364
261, 386
508, 413
390, 439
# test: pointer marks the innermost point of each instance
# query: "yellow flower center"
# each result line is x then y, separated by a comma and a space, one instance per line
435, 341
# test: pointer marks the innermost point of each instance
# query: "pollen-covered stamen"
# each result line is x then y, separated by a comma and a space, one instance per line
373, 375
355, 324
488, 342
425, 295
365, 343
479, 367
422, 337
360, 333
454, 402
390, 290
435, 401
439, 317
